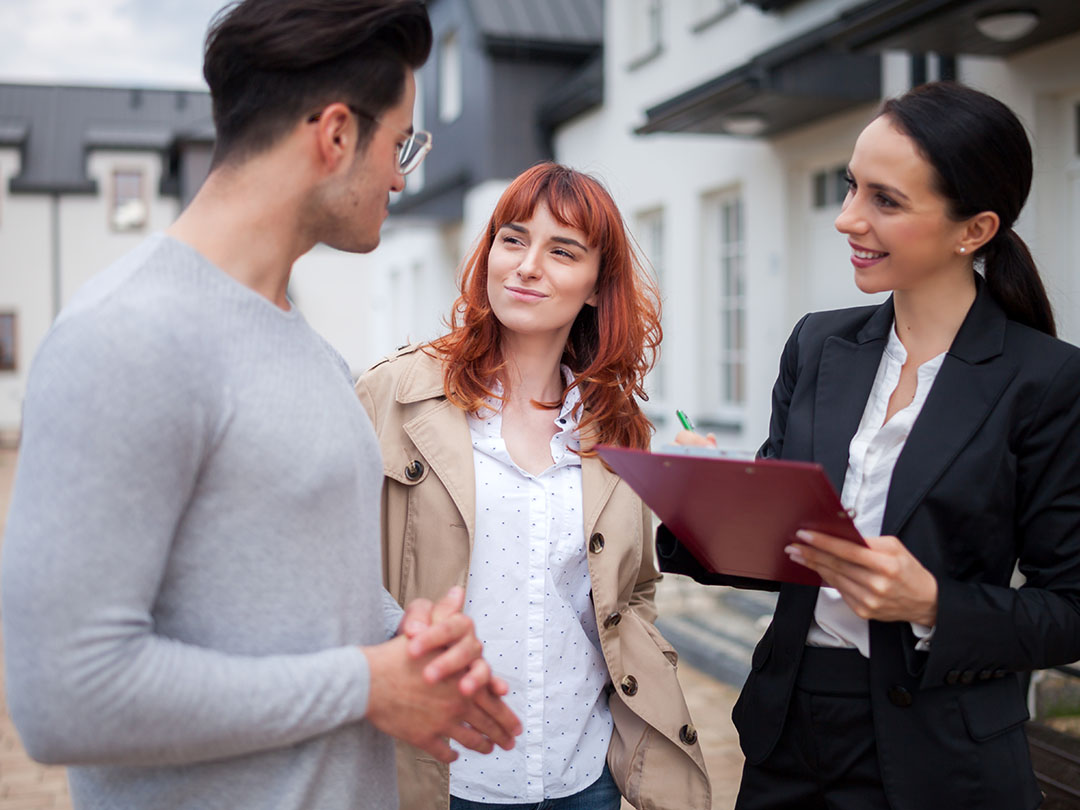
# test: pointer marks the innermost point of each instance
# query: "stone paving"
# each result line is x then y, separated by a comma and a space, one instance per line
26, 785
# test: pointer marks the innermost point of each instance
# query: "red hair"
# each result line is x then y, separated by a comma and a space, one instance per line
611, 346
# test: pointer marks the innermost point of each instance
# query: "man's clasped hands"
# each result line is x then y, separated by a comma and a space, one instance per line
430, 683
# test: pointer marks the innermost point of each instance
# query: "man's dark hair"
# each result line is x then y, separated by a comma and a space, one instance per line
271, 62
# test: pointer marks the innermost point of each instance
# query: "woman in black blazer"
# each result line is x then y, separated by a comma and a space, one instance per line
949, 418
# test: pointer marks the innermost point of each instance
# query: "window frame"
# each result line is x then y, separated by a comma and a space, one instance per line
114, 199
724, 369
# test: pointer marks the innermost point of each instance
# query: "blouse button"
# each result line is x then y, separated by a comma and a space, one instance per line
612, 619
596, 543
414, 471
688, 734
629, 685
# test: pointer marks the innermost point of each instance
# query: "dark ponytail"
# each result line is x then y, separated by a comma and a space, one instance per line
1014, 282
982, 158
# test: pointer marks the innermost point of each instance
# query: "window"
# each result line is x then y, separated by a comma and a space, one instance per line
128, 212
7, 342
450, 78
650, 235
829, 187
1076, 131
724, 296
647, 32
415, 180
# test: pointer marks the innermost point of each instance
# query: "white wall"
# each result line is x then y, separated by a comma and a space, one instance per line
411, 287
88, 241
25, 281
1043, 87
796, 261
675, 172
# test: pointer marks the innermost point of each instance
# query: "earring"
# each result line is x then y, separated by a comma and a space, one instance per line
963, 250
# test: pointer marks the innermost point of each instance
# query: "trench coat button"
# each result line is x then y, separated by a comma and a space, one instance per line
967, 676
900, 697
629, 685
688, 734
414, 470
952, 677
612, 619
596, 543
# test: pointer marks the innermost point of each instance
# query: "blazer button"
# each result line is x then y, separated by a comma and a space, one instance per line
612, 619
952, 677
629, 685
414, 471
596, 543
967, 676
688, 734
900, 697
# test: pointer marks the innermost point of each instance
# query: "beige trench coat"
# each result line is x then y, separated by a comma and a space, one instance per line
428, 505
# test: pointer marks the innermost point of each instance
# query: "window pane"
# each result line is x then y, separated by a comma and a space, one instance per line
1076, 146
819, 181
450, 77
128, 206
840, 191
7, 341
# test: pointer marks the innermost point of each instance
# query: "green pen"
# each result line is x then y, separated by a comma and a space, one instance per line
685, 420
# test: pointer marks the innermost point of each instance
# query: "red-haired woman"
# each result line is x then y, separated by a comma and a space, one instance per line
491, 483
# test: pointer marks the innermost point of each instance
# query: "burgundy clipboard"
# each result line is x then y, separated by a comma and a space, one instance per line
736, 516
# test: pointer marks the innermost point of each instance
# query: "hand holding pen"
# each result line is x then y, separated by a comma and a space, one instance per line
687, 436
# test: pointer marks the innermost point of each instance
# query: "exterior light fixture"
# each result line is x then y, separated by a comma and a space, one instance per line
747, 124
1007, 26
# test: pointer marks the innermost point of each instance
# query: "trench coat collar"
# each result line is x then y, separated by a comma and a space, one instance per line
440, 433
423, 379
442, 436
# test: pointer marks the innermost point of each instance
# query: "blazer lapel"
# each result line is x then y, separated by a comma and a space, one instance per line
972, 378
846, 374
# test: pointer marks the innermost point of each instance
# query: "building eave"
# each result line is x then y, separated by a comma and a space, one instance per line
795, 83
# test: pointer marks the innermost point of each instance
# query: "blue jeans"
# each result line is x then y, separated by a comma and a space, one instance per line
600, 795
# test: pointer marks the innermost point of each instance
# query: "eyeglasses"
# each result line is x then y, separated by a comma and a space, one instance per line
409, 154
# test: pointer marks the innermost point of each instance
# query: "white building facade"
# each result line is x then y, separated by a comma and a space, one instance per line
740, 229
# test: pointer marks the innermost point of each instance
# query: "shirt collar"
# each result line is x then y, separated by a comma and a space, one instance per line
898, 354
487, 424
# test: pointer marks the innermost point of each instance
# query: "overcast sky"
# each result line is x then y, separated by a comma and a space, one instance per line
113, 42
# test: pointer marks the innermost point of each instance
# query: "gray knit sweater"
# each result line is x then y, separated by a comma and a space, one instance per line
192, 553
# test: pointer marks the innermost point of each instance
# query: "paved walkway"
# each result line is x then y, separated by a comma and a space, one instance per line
25, 785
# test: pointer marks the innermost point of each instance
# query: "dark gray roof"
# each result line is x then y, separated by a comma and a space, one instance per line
55, 126
562, 21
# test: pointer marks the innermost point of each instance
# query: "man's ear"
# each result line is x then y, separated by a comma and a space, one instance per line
335, 134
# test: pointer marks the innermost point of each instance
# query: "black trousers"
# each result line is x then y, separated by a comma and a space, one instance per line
826, 757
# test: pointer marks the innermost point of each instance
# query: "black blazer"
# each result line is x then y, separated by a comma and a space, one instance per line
990, 474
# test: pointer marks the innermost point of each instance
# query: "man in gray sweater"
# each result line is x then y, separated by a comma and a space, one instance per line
192, 601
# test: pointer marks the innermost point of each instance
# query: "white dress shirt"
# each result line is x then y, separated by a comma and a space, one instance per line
872, 455
529, 594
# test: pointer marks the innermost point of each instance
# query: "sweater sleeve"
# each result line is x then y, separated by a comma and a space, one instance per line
114, 433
